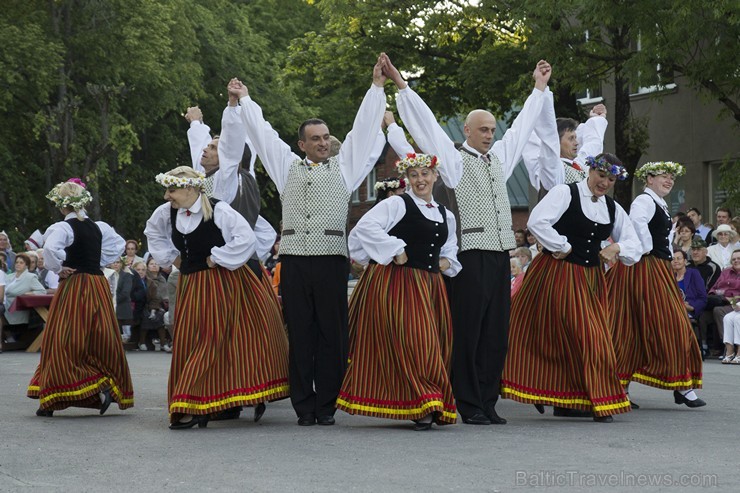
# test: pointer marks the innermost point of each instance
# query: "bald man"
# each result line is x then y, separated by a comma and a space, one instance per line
480, 296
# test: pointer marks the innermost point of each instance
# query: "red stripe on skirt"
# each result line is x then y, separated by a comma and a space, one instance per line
560, 350
653, 339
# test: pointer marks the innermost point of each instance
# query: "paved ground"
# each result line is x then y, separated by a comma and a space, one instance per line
133, 450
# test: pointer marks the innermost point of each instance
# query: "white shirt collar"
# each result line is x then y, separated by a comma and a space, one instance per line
660, 200
419, 201
474, 152
194, 209
586, 192
73, 215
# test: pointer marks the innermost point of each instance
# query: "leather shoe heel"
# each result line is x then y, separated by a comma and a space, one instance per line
477, 419
540, 408
564, 412
603, 419
679, 398
307, 420
259, 410
202, 421
325, 420
494, 417
106, 402
44, 413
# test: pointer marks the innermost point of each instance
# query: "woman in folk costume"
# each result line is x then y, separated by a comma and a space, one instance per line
652, 334
560, 348
229, 348
399, 316
82, 359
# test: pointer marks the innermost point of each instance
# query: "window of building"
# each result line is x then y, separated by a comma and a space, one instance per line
590, 95
356, 196
661, 80
370, 184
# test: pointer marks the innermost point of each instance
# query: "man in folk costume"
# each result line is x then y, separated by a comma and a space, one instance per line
481, 294
315, 194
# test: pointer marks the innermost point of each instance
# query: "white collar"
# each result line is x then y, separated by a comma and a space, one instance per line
586, 192
194, 209
660, 200
474, 152
419, 201
73, 215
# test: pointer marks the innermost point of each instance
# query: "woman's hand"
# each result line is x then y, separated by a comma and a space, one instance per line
610, 253
444, 264
401, 258
66, 272
210, 262
561, 255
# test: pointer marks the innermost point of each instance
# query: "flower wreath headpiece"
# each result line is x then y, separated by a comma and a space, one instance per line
390, 184
168, 181
602, 164
416, 160
76, 202
660, 168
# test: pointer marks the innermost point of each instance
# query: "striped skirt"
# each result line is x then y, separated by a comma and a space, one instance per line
560, 350
229, 348
400, 346
652, 334
81, 349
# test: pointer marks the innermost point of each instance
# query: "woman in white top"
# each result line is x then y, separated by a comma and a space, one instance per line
399, 316
21, 281
721, 251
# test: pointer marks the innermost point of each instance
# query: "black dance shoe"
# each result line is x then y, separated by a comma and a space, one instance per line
564, 412
477, 419
424, 423
493, 416
107, 399
679, 398
307, 420
327, 420
603, 419
227, 414
259, 410
201, 421
634, 405
44, 413
540, 408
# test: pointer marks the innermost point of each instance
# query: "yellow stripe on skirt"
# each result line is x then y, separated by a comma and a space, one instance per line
560, 350
400, 346
81, 349
229, 347
653, 339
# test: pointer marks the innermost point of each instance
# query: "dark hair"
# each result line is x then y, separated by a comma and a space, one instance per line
25, 258
695, 210
678, 250
685, 222
310, 121
724, 209
610, 158
134, 242
565, 125
679, 215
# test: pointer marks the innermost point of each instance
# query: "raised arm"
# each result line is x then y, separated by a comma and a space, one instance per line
541, 154
276, 155
230, 147
365, 142
509, 149
590, 134
396, 136
199, 135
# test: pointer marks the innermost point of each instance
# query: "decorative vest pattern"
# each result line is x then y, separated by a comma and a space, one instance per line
483, 208
584, 235
573, 175
196, 246
315, 207
659, 227
84, 252
424, 238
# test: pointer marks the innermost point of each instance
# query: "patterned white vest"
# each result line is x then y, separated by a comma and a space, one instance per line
573, 175
484, 211
315, 207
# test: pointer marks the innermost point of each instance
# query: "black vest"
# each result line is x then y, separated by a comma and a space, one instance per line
584, 235
659, 227
83, 254
196, 246
424, 238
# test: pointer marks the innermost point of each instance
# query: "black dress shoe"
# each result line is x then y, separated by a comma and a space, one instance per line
564, 412
603, 419
307, 420
679, 398
493, 416
424, 423
327, 420
201, 421
634, 405
106, 402
227, 414
477, 419
44, 413
259, 410
540, 408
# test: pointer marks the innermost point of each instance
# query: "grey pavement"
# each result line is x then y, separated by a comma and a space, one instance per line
77, 450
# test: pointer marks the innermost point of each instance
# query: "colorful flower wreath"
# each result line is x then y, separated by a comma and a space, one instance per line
415, 161
168, 181
660, 168
76, 202
390, 184
602, 164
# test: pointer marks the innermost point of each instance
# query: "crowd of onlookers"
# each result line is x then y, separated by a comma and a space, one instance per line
706, 264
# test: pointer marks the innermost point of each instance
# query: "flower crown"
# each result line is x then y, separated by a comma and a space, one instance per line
660, 168
168, 181
390, 184
75, 203
602, 164
416, 160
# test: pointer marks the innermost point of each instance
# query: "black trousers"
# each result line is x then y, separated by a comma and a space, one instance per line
314, 293
480, 302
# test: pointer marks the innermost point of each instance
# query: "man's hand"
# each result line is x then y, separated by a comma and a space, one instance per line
388, 119
444, 264
401, 258
194, 114
66, 272
379, 77
542, 74
233, 90
610, 253
392, 72
598, 110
